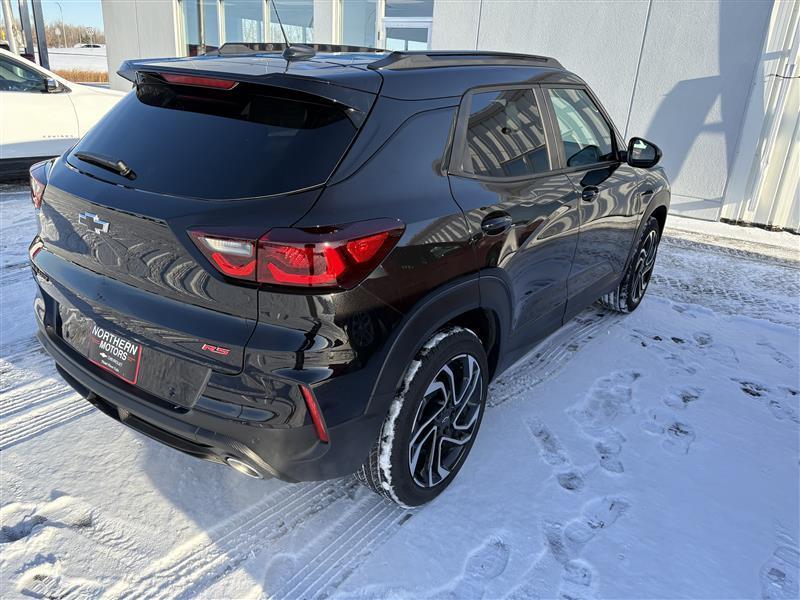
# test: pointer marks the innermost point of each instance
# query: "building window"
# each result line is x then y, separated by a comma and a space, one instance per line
360, 23
403, 9
297, 17
200, 25
244, 20
390, 24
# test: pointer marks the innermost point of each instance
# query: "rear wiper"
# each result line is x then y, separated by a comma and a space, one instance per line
118, 166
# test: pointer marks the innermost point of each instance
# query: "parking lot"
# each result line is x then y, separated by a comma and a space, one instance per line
649, 455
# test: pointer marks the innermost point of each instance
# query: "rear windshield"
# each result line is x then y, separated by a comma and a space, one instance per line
250, 141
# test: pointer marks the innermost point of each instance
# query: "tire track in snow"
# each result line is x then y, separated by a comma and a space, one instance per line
192, 566
39, 421
351, 540
552, 355
23, 361
33, 394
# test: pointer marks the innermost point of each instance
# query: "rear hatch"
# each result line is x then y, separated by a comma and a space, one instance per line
180, 155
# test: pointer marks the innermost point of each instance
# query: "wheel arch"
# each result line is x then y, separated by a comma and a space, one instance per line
481, 304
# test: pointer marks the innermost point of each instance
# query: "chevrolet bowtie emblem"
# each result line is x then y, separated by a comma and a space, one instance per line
93, 222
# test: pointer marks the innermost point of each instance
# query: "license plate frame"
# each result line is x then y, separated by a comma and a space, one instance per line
114, 353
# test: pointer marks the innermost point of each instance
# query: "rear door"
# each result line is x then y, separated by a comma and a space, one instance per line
234, 163
609, 204
523, 216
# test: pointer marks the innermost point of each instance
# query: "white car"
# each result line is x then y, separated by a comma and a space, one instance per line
41, 114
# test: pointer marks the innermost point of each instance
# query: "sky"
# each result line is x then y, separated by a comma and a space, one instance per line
88, 13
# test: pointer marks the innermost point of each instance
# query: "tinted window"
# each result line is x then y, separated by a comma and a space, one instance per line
584, 130
16, 78
505, 136
249, 141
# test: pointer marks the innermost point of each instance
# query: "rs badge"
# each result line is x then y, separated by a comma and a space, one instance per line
217, 349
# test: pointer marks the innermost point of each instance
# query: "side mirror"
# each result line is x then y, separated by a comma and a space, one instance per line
52, 86
642, 154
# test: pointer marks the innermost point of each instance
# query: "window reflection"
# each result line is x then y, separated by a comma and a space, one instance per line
505, 136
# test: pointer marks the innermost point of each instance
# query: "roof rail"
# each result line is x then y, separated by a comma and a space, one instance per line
450, 58
258, 47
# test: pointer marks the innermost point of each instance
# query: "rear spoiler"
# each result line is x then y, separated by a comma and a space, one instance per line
359, 101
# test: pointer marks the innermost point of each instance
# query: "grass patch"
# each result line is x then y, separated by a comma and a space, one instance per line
82, 75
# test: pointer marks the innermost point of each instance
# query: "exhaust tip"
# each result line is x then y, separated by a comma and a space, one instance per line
242, 467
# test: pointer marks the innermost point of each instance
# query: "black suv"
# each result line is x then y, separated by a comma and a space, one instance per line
305, 266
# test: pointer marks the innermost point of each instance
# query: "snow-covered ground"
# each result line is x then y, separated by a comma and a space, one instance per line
654, 455
87, 59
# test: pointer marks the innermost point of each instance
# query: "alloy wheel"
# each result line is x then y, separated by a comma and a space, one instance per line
445, 421
645, 262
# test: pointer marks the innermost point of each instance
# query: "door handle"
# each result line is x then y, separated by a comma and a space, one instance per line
589, 193
497, 224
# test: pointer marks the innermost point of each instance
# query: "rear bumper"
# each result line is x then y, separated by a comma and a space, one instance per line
289, 454
256, 416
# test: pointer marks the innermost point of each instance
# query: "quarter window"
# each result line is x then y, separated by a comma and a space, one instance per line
584, 131
505, 135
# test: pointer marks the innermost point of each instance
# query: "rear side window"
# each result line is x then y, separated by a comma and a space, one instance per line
505, 135
585, 133
219, 144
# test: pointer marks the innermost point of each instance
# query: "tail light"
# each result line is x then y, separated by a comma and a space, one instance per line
38, 180
333, 258
197, 81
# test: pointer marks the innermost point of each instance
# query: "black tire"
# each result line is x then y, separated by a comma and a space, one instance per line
634, 284
392, 469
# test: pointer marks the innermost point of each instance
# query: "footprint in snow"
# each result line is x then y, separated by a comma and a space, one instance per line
565, 543
549, 446
553, 454
676, 436
681, 398
608, 450
576, 581
608, 401
22, 520
702, 339
778, 356
484, 564
783, 403
779, 575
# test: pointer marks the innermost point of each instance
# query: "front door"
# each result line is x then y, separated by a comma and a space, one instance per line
523, 217
609, 204
35, 123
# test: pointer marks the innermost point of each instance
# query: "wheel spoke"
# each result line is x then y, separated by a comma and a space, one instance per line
417, 447
441, 470
651, 247
424, 427
435, 448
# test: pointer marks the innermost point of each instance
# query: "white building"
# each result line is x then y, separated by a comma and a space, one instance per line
713, 82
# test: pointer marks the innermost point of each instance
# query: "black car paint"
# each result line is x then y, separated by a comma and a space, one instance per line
148, 282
